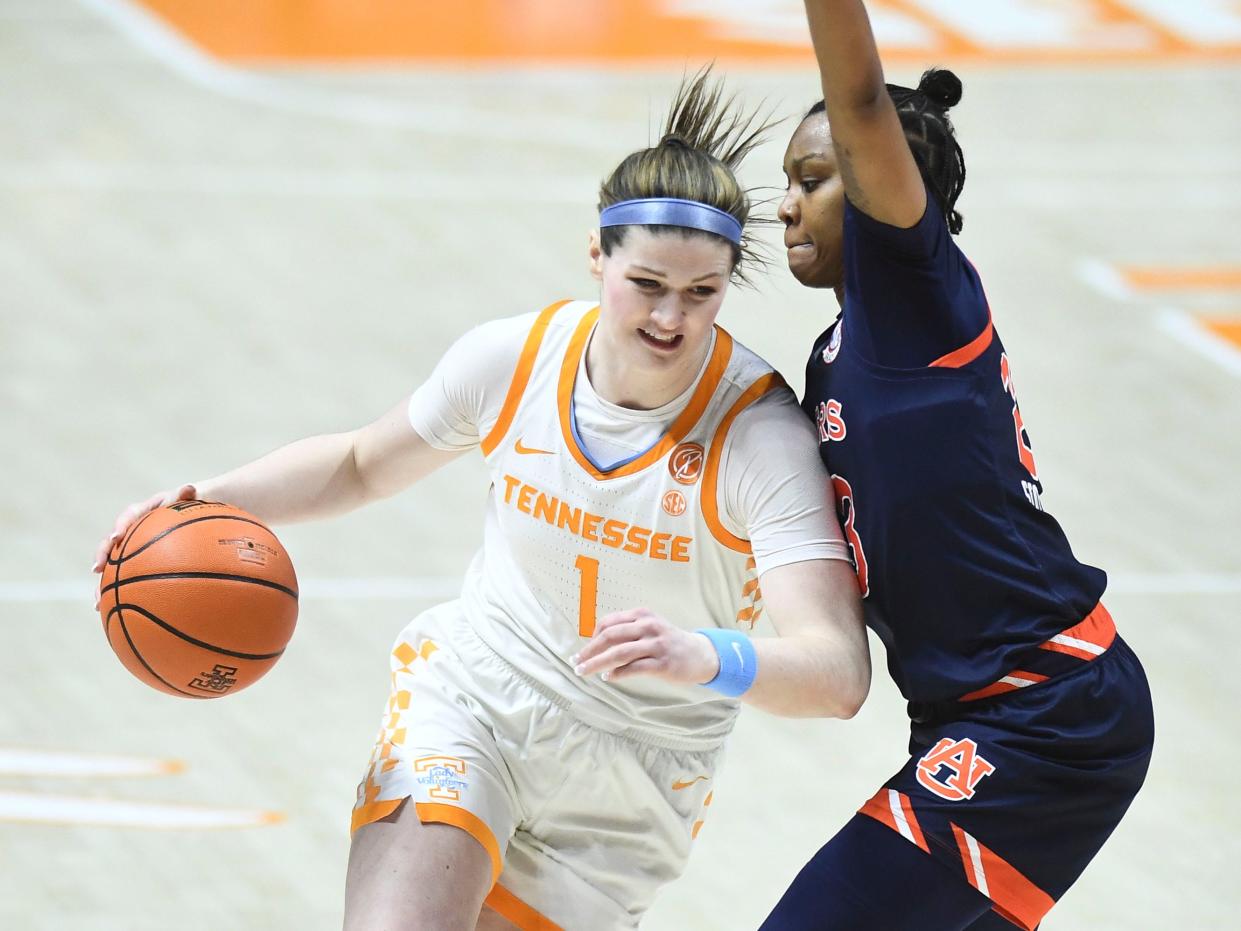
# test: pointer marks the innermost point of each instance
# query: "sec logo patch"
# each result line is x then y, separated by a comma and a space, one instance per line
674, 503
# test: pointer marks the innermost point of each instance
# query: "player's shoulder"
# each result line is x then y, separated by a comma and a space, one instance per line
512, 332
745, 366
766, 399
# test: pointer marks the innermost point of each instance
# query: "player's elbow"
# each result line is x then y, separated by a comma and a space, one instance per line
853, 689
851, 703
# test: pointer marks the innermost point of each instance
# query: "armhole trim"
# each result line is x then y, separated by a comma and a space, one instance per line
521, 378
959, 358
711, 475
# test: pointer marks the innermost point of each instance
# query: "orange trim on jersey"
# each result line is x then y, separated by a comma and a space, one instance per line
521, 378
710, 478
1011, 894
372, 812
1088, 640
1017, 679
680, 427
967, 353
884, 807
439, 813
507, 905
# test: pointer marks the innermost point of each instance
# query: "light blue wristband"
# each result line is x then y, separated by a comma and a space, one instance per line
738, 661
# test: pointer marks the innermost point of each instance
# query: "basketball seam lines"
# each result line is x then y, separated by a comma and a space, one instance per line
163, 533
186, 637
147, 665
116, 583
198, 575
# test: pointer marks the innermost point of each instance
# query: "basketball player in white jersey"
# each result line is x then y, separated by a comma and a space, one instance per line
551, 739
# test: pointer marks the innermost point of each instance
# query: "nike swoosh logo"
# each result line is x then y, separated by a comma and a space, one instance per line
527, 451
740, 658
679, 785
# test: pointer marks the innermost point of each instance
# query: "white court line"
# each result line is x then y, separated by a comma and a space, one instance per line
435, 588
466, 186
413, 587
18, 761
105, 812
214, 181
1188, 331
1105, 279
149, 33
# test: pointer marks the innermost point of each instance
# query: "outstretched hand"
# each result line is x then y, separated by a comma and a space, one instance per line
130, 516
639, 642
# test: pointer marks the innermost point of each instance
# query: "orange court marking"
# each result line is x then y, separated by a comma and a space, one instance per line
1186, 278
619, 32
1229, 329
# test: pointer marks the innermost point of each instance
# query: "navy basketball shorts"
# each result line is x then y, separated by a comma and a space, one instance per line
1003, 802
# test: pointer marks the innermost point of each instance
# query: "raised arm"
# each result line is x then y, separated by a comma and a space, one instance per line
880, 176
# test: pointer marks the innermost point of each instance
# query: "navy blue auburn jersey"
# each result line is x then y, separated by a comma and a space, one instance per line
936, 484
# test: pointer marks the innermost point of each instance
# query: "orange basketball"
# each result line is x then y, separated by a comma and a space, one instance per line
198, 599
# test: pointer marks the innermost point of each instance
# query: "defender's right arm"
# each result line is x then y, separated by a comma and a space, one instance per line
880, 175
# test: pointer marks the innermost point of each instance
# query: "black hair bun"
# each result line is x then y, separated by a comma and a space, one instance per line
941, 87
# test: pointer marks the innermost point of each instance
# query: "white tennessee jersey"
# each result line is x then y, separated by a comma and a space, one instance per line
566, 543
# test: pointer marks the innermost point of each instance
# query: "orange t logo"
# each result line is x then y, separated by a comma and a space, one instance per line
445, 775
966, 769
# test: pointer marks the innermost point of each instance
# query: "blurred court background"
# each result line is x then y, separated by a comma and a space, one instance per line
227, 225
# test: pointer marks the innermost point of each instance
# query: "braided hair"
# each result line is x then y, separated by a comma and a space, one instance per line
923, 113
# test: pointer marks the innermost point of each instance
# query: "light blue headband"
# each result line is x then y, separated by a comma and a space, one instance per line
672, 211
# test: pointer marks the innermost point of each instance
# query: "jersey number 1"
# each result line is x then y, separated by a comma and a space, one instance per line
589, 568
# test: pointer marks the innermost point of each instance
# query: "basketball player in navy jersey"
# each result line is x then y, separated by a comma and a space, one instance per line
1031, 722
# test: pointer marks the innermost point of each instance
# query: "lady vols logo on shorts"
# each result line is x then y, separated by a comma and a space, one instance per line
965, 769
685, 463
444, 774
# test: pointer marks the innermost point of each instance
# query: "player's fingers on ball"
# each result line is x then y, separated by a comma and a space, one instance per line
101, 554
130, 516
184, 493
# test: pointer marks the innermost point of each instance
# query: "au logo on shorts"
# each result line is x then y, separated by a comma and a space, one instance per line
444, 774
959, 762
685, 463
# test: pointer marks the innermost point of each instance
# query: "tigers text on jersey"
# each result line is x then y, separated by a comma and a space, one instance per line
936, 484
567, 542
